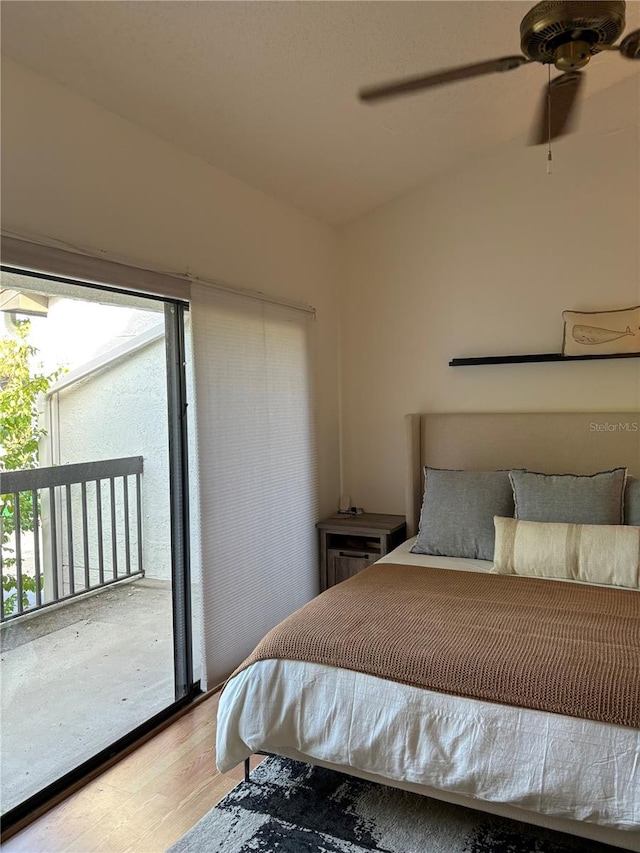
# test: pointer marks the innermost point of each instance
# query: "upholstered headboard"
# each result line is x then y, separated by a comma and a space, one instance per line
551, 442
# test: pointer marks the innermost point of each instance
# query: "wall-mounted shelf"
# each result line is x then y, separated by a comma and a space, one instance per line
526, 359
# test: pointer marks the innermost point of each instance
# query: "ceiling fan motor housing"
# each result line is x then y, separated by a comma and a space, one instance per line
568, 33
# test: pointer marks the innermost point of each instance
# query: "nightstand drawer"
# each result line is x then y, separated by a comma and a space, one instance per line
343, 564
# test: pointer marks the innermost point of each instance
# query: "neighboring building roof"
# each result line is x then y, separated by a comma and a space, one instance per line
107, 359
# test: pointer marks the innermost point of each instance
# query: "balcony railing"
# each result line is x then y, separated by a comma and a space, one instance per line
86, 531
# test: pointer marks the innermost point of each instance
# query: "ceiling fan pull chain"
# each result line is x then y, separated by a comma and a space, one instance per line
549, 156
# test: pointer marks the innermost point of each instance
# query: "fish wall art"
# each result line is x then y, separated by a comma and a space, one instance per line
601, 332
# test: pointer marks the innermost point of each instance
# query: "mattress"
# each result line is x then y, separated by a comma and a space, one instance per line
538, 762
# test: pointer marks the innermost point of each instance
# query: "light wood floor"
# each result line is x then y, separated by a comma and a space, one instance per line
144, 803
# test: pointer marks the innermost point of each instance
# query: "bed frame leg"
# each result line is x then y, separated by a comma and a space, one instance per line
247, 768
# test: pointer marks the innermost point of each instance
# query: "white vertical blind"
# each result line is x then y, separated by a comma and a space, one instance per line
256, 470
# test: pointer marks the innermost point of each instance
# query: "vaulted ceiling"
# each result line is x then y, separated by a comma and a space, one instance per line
266, 91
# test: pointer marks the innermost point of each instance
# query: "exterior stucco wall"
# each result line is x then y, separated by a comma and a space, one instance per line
119, 411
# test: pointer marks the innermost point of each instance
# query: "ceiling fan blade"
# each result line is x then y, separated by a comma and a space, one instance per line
564, 100
426, 81
630, 45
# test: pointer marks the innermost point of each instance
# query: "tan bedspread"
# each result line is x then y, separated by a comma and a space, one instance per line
567, 648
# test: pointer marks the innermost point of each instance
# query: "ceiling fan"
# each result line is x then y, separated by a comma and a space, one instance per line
565, 33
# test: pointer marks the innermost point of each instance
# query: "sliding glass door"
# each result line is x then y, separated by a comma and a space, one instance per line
95, 601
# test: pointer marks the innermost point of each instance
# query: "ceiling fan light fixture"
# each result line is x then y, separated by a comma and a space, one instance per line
572, 55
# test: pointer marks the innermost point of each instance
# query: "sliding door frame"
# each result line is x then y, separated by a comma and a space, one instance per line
179, 497
185, 689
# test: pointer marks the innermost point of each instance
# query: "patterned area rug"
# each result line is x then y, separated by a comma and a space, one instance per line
290, 807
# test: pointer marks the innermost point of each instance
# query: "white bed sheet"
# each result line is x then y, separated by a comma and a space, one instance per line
402, 554
540, 762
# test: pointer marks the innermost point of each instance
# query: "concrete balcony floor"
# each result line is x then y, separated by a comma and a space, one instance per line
78, 676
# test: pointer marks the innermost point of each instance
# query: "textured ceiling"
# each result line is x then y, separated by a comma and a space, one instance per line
266, 90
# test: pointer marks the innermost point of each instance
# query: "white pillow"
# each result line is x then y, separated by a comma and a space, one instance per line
591, 553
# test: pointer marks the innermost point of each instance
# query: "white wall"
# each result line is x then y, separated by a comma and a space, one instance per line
78, 173
483, 262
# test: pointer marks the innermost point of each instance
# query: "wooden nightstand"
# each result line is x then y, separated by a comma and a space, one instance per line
350, 543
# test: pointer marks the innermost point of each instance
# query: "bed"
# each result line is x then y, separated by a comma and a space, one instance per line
569, 773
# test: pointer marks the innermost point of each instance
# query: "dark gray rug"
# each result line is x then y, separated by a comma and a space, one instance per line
290, 807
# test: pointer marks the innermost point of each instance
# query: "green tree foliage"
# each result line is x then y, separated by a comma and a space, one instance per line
20, 387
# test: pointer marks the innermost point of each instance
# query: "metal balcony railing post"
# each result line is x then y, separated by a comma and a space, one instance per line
54, 543
17, 532
127, 538
36, 545
139, 520
99, 536
114, 543
72, 577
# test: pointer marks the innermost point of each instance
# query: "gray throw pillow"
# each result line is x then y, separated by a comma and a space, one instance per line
569, 498
457, 512
632, 501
